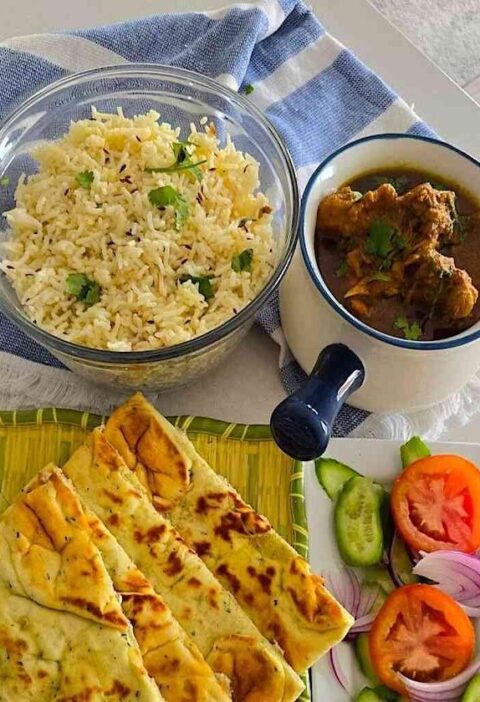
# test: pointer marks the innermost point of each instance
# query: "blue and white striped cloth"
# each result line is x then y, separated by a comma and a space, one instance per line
316, 93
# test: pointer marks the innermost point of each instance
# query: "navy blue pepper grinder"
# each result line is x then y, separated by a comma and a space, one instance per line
302, 424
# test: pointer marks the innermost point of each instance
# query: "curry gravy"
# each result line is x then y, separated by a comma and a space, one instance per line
405, 261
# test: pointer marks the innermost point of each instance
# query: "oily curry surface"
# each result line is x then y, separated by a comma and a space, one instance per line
401, 250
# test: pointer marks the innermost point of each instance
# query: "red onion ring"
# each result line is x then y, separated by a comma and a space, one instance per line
455, 573
447, 691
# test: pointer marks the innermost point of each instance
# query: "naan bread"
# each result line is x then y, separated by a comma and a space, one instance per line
275, 586
170, 657
63, 634
225, 636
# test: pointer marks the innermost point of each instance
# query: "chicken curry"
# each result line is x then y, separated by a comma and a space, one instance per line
401, 251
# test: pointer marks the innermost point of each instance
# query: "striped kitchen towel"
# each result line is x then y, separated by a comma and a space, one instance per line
315, 92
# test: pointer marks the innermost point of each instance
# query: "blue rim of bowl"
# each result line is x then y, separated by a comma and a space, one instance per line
197, 343
321, 286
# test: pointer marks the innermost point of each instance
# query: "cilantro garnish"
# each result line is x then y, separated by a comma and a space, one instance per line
243, 261
165, 196
183, 162
437, 186
84, 179
342, 270
248, 89
84, 289
400, 183
412, 332
205, 286
379, 240
4, 181
385, 242
382, 277
460, 225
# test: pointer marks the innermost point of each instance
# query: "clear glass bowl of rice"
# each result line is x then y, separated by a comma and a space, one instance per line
148, 213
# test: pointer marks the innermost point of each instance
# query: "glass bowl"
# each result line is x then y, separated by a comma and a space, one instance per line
181, 97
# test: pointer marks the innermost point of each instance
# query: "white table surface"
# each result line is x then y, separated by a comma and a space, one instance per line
247, 386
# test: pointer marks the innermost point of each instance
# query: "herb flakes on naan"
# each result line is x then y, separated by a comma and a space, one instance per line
63, 634
274, 585
209, 614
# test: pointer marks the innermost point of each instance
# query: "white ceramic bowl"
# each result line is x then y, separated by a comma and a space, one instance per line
399, 374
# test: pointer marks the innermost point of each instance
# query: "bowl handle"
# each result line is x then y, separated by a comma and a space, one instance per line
301, 425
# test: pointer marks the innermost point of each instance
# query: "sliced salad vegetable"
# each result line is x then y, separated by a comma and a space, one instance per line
362, 653
423, 634
457, 574
358, 526
367, 695
472, 691
409, 637
414, 449
399, 563
436, 504
332, 475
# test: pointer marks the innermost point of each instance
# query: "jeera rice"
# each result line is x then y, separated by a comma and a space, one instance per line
133, 237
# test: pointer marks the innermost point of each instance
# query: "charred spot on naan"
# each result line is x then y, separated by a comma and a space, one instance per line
14, 647
151, 619
234, 515
311, 599
55, 559
255, 674
176, 664
149, 450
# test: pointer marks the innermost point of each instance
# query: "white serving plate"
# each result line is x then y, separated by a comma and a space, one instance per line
379, 460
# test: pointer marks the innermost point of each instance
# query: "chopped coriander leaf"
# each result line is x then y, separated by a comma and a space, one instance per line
248, 89
412, 332
385, 242
165, 196
400, 183
4, 181
460, 225
83, 288
205, 286
379, 240
180, 152
400, 241
437, 186
85, 179
183, 162
382, 277
342, 270
174, 168
243, 261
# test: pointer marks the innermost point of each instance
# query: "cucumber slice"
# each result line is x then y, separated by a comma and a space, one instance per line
401, 563
358, 525
414, 449
472, 691
332, 475
362, 654
367, 695
388, 695
386, 517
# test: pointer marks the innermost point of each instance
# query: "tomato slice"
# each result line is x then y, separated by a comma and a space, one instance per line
420, 632
436, 504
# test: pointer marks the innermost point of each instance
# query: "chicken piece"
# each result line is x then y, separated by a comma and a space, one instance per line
342, 212
439, 285
429, 213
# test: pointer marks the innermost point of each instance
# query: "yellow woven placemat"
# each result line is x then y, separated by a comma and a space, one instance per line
245, 454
